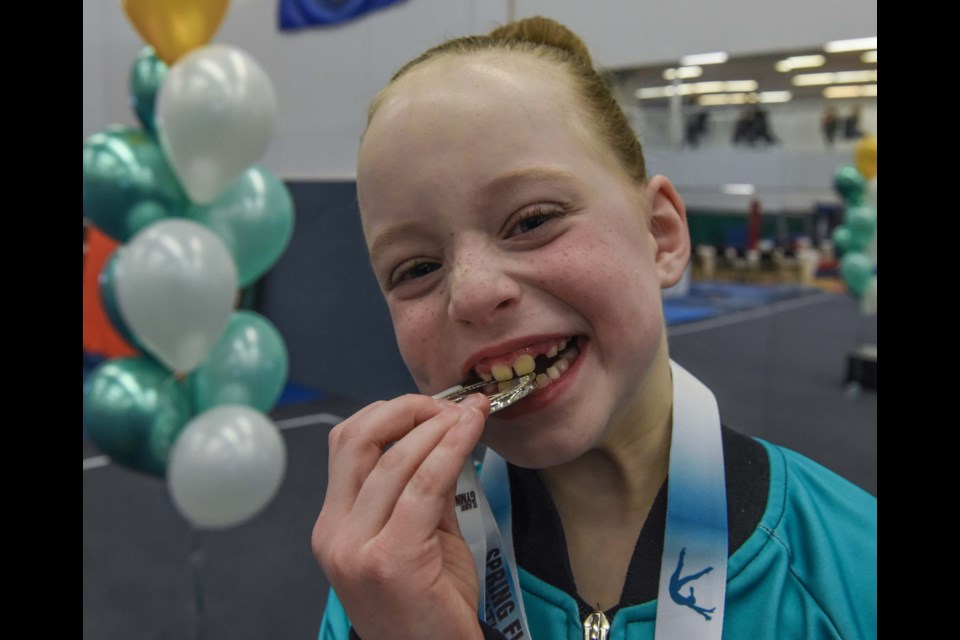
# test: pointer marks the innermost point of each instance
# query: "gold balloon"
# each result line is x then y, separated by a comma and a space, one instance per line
174, 27
865, 156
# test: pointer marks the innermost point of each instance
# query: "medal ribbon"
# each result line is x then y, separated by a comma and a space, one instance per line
693, 572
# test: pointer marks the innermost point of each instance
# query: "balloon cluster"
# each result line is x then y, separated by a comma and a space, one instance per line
197, 221
856, 237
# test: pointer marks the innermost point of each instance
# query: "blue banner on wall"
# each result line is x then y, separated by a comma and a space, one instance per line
298, 14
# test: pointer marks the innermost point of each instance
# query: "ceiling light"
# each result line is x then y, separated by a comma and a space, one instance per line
682, 73
741, 85
840, 77
697, 88
652, 93
722, 99
800, 62
739, 189
708, 87
857, 44
847, 77
851, 91
870, 57
704, 58
775, 96
733, 86
766, 97
809, 79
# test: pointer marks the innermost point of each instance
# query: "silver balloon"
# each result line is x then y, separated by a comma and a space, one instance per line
216, 113
226, 466
176, 284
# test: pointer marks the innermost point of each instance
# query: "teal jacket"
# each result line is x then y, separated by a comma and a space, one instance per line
808, 570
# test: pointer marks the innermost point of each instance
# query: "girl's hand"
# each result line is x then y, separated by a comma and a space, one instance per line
387, 537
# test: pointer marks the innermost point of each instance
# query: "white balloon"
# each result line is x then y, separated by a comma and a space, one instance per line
176, 284
216, 112
226, 466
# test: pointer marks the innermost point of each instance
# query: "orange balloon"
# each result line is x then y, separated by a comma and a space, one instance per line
174, 27
865, 156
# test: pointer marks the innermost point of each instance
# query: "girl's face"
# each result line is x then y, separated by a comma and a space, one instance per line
499, 227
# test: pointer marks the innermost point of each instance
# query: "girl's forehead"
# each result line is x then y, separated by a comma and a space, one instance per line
513, 106
507, 82
508, 70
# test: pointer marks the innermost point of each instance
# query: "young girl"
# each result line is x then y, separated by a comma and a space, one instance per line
512, 226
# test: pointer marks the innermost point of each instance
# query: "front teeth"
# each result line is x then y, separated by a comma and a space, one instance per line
524, 364
501, 372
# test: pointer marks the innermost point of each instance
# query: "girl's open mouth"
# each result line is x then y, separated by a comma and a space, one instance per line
547, 362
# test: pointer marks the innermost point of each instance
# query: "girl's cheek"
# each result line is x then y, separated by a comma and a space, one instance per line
417, 337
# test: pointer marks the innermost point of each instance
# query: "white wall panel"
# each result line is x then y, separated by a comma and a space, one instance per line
325, 77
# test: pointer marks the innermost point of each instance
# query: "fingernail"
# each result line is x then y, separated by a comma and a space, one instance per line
469, 414
475, 400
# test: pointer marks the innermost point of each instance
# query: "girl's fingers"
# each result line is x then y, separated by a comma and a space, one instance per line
357, 443
425, 497
386, 481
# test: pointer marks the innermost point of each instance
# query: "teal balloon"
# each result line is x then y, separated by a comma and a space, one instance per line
850, 184
146, 78
857, 271
254, 218
248, 366
133, 411
841, 237
127, 182
862, 222
108, 298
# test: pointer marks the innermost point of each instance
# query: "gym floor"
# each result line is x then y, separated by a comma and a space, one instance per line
777, 366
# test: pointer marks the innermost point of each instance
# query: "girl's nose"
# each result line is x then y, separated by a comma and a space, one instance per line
481, 289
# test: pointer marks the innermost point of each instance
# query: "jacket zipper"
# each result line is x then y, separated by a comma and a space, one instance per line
596, 626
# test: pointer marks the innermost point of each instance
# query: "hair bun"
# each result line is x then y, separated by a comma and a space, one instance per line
540, 30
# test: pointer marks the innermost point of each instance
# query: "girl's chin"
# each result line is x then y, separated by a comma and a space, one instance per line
536, 446
537, 458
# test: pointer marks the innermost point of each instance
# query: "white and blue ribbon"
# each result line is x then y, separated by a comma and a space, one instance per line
486, 526
693, 572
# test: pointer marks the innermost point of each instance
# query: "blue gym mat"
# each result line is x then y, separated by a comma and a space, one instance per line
712, 299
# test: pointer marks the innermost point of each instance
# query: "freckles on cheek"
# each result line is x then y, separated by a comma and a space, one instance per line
416, 331
613, 280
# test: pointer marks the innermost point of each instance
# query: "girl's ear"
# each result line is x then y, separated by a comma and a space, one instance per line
668, 225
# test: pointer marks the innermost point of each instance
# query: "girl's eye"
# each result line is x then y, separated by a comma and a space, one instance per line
417, 270
532, 222
533, 218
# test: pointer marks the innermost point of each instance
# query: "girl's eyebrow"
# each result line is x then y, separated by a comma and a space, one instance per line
515, 179
390, 235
